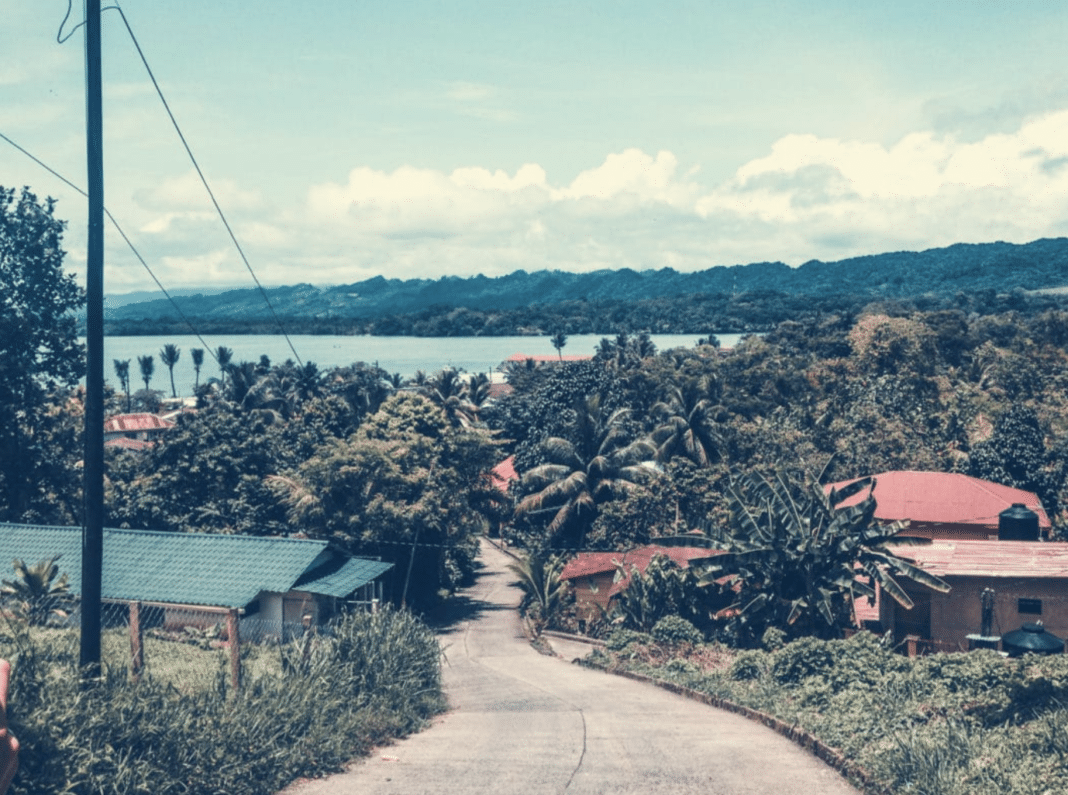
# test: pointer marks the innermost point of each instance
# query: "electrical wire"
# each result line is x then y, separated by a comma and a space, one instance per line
174, 122
122, 233
204, 180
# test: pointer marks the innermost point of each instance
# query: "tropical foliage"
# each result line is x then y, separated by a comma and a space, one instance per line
37, 591
798, 558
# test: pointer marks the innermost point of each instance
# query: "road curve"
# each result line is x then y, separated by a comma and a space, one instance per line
521, 722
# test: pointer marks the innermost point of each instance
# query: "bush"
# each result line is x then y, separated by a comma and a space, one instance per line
374, 677
673, 631
748, 665
619, 639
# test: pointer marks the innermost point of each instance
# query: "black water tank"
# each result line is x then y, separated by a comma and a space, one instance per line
1018, 523
1031, 639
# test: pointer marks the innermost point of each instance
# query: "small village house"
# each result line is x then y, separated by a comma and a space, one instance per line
134, 431
1029, 580
946, 504
194, 579
599, 577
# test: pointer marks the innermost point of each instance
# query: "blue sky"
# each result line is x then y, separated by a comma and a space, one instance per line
421, 139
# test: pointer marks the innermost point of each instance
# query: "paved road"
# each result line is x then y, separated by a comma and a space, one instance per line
522, 722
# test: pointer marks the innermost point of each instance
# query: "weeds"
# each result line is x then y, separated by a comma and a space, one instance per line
949, 724
370, 678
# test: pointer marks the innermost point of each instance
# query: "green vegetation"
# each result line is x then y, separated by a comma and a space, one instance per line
370, 678
752, 297
952, 724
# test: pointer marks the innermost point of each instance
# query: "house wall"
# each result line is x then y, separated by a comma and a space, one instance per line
591, 594
956, 615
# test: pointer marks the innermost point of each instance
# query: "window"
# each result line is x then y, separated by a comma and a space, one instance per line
1031, 606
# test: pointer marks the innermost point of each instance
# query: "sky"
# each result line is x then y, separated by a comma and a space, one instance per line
347, 139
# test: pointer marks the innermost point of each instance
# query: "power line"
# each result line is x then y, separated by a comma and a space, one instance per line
122, 233
204, 180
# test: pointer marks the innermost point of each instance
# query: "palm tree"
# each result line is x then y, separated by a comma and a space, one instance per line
559, 340
36, 590
595, 468
122, 371
687, 423
169, 356
223, 356
446, 389
198, 362
148, 366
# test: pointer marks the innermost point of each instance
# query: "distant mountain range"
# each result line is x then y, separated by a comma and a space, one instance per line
1001, 267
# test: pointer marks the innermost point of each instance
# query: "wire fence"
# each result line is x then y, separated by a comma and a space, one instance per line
188, 646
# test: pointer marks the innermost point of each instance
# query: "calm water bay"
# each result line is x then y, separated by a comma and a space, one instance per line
402, 355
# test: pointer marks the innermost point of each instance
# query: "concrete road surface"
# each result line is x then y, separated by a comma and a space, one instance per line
521, 722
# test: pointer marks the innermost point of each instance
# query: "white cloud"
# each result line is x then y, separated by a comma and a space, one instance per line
632, 173
806, 197
828, 198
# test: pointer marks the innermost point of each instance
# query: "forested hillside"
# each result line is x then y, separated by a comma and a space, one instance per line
739, 298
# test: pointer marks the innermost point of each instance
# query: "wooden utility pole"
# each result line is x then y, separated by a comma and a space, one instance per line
93, 489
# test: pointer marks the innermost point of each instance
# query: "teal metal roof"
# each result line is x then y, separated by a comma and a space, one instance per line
189, 568
342, 580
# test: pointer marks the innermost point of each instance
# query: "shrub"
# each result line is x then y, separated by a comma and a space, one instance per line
748, 665
374, 677
619, 639
673, 631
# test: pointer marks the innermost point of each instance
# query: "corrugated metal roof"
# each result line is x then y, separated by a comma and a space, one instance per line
130, 444
128, 423
182, 568
353, 573
587, 563
944, 497
952, 558
503, 474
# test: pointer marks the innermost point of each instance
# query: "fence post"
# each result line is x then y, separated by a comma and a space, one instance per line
233, 638
911, 642
137, 646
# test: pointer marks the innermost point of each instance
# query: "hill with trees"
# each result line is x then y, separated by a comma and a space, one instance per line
740, 298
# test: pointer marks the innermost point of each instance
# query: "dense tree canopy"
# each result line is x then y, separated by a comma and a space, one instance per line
39, 352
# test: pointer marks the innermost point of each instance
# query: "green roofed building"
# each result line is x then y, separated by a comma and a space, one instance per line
193, 577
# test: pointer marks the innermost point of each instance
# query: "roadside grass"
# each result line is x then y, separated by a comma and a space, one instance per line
948, 724
182, 729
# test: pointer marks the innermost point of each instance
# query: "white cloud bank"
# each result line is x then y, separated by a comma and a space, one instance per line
808, 197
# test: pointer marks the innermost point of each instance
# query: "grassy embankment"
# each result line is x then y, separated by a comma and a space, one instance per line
948, 724
182, 729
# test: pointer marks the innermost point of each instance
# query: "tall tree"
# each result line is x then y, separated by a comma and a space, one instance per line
39, 348
223, 356
169, 356
148, 366
599, 466
559, 340
122, 372
687, 423
198, 362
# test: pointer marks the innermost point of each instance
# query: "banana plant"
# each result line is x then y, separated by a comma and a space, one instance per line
797, 558
38, 591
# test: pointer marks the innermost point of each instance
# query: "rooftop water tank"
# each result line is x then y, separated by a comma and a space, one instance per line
1018, 523
1031, 639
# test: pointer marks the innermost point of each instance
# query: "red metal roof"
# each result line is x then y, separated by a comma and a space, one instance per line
504, 473
953, 558
128, 423
586, 563
129, 444
944, 498
540, 358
